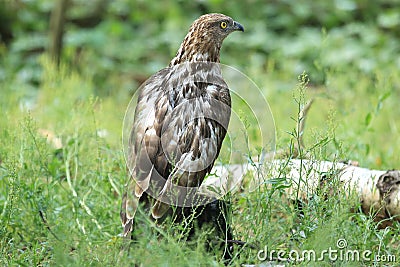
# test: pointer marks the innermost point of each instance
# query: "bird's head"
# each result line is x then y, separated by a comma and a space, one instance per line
214, 27
204, 39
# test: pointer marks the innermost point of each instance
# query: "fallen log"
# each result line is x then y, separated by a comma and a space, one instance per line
378, 191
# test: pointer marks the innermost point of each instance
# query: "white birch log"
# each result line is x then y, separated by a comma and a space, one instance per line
379, 191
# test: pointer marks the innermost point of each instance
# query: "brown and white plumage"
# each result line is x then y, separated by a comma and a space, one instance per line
180, 121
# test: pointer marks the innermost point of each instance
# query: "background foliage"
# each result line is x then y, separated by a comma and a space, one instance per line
349, 48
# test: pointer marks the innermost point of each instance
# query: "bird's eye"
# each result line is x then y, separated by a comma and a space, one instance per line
224, 25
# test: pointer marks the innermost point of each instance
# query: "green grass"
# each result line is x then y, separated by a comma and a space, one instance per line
60, 207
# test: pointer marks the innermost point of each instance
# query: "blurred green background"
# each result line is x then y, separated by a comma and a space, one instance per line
118, 41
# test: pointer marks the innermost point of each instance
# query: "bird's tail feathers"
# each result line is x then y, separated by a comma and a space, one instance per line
130, 203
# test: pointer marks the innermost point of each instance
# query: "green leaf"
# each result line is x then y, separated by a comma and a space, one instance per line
368, 119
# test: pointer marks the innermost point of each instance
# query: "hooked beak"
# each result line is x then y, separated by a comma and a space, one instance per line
237, 26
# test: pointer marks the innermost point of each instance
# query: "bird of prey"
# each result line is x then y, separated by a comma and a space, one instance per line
180, 121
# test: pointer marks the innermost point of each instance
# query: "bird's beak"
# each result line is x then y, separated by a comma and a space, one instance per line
237, 26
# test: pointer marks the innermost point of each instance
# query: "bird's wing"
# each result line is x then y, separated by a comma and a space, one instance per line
174, 136
144, 143
192, 139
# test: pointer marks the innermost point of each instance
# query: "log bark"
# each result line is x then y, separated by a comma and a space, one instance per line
378, 190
